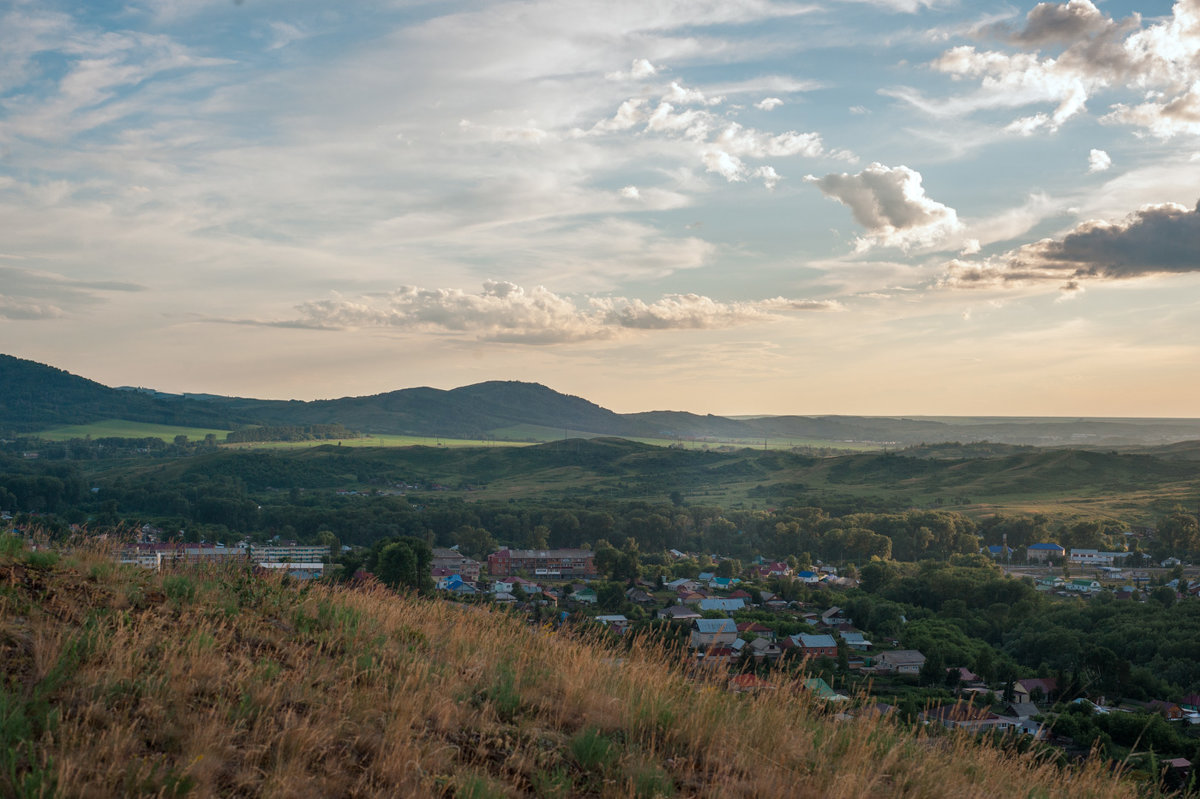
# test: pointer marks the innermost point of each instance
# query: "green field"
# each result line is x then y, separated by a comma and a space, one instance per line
378, 441
119, 428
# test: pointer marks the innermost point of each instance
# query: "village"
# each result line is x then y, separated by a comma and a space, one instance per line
745, 633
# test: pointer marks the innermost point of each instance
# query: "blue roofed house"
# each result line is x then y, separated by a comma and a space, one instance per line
813, 645
1044, 552
724, 605
708, 633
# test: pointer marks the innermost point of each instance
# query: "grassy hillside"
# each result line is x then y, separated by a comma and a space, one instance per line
1061, 483
121, 682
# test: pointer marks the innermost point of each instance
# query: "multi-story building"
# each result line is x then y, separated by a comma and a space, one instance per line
548, 563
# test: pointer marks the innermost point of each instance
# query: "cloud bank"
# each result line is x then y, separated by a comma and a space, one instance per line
506, 312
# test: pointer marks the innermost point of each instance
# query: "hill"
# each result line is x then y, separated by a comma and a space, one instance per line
38, 397
121, 682
35, 397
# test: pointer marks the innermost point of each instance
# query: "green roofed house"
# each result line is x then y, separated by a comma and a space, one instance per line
586, 595
822, 689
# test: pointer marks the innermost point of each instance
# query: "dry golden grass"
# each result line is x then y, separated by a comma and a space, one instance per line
122, 682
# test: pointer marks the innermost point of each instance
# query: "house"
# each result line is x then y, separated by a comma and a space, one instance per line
1170, 710
617, 623
966, 677
457, 562
1092, 557
1083, 585
503, 597
678, 613
814, 645
997, 551
709, 633
1021, 710
723, 605
821, 688
682, 584
742, 595
961, 716
753, 627
744, 683
900, 661
833, 616
808, 577
857, 641
1035, 688
585, 595
761, 648
502, 587
639, 597
1044, 552
716, 657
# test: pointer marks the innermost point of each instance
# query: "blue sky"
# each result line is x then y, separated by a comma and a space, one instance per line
872, 207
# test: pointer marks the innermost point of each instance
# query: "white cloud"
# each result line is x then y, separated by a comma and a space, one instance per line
891, 204
639, 69
1095, 53
506, 312
720, 144
1098, 161
631, 193
768, 103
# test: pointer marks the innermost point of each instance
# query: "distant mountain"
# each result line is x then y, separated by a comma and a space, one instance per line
37, 397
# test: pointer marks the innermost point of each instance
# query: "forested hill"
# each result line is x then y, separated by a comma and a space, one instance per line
35, 397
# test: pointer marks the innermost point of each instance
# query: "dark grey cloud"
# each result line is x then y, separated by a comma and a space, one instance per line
1154, 240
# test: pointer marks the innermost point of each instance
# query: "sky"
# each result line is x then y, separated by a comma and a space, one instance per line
723, 206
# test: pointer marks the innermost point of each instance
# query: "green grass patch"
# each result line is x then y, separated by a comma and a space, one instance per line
120, 428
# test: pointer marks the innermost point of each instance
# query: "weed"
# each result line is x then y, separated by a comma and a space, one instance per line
651, 782
552, 784
592, 750
180, 588
41, 559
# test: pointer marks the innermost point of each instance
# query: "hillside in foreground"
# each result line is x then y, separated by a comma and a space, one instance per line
126, 682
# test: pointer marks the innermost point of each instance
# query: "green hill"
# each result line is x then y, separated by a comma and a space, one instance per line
35, 397
126, 682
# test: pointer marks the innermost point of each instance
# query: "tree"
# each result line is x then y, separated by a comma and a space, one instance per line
474, 542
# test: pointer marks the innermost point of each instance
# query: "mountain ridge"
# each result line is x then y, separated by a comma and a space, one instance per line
38, 397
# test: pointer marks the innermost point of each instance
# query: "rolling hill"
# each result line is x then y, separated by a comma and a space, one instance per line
38, 397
